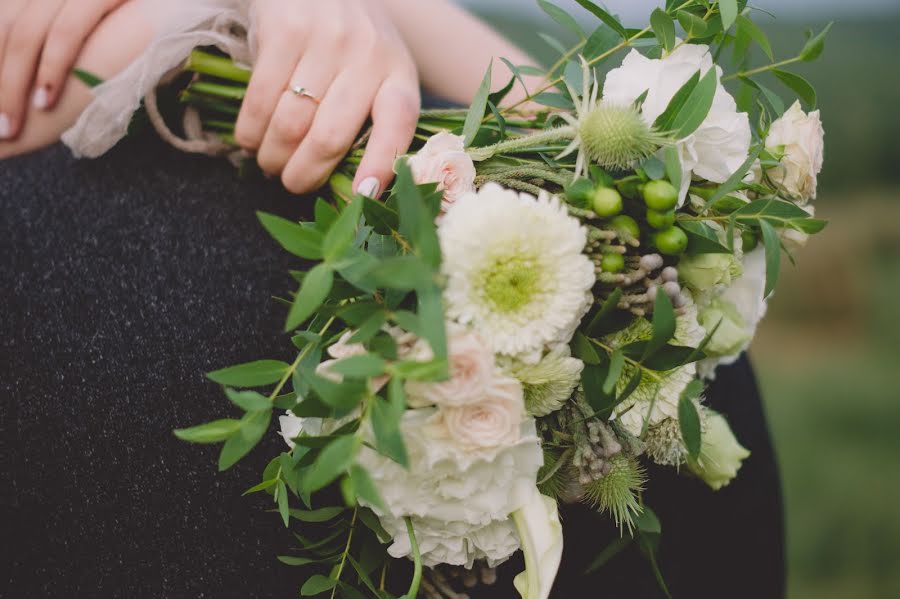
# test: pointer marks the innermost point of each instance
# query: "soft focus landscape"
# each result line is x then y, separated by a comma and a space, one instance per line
828, 354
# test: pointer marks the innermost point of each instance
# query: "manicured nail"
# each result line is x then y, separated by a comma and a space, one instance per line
368, 187
41, 98
5, 126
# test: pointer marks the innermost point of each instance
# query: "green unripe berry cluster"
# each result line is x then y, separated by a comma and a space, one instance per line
671, 242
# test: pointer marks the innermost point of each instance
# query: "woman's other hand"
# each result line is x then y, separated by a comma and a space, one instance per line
324, 68
39, 43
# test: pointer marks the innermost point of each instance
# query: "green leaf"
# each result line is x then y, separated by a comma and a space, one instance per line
421, 371
386, 426
477, 109
382, 218
697, 106
86, 77
750, 29
668, 357
317, 516
317, 584
305, 242
211, 432
266, 484
729, 11
800, 86
253, 427
364, 487
689, 419
331, 463
369, 328
604, 16
666, 121
554, 100
359, 367
664, 28
416, 222
773, 255
693, 25
702, 239
402, 272
291, 560
561, 17
313, 292
607, 309
281, 494
251, 374
431, 315
584, 350
674, 169
771, 97
593, 378
325, 215
616, 364
815, 45
663, 325
342, 231
249, 401
601, 41
734, 181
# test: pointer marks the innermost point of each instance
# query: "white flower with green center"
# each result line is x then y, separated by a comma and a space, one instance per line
515, 269
549, 384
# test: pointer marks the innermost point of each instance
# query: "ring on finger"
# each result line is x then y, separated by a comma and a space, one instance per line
302, 92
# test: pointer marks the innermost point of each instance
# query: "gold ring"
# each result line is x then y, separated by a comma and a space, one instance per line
302, 92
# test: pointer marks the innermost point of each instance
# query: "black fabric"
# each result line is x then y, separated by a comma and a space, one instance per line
123, 280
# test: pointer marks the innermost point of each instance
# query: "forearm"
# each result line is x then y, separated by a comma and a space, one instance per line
453, 48
117, 41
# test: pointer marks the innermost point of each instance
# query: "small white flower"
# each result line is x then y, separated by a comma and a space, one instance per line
720, 145
800, 137
459, 500
443, 160
515, 269
549, 383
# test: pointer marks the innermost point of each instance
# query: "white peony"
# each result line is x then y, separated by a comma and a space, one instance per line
443, 160
719, 147
800, 139
472, 373
515, 269
459, 500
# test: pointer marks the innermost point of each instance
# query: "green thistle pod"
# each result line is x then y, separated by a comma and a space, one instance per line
616, 492
616, 137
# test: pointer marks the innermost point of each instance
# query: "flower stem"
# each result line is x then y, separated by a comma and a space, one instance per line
296, 364
337, 576
762, 69
417, 560
217, 66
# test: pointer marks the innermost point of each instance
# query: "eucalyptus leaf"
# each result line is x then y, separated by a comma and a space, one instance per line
477, 108
728, 9
210, 432
561, 17
697, 106
305, 242
611, 21
386, 427
773, 255
800, 86
317, 584
663, 325
689, 419
281, 494
313, 292
815, 45
363, 366
664, 28
331, 463
365, 488
249, 401
251, 374
253, 426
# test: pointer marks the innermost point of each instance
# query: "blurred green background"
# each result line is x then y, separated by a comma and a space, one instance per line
828, 353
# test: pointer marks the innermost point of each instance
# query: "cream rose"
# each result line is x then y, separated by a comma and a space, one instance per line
800, 139
472, 372
443, 160
491, 422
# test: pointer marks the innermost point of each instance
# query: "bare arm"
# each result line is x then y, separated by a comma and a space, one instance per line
452, 49
117, 41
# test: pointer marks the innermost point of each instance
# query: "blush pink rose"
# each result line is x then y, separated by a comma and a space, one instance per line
443, 160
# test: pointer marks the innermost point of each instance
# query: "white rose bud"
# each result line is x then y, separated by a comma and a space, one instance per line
495, 421
800, 138
732, 335
443, 160
720, 454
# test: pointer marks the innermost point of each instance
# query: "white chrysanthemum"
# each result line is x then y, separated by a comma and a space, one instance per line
720, 145
515, 269
459, 500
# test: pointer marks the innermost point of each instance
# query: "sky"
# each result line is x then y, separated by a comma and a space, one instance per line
634, 11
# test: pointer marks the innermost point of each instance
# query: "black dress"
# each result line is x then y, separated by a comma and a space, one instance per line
123, 280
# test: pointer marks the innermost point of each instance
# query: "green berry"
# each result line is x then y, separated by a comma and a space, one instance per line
660, 220
660, 195
671, 242
749, 241
606, 202
626, 227
612, 263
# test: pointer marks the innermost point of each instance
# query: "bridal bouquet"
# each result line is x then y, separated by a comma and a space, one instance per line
527, 317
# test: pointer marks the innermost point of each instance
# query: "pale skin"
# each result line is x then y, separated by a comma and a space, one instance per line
359, 59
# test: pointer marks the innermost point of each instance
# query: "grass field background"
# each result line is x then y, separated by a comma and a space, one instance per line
828, 354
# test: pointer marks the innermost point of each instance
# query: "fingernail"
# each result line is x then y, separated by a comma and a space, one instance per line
368, 187
41, 98
5, 126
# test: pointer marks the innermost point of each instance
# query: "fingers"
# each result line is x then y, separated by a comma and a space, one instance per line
71, 28
294, 113
20, 57
338, 120
281, 46
395, 113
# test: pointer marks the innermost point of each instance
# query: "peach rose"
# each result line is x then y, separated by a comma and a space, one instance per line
472, 372
443, 160
495, 421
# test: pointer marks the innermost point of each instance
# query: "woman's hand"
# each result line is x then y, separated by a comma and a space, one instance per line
39, 42
350, 63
